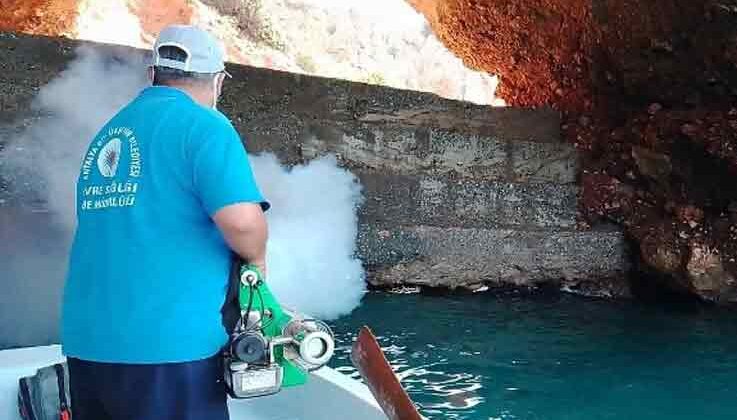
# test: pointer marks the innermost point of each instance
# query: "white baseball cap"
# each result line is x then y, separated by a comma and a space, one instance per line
204, 52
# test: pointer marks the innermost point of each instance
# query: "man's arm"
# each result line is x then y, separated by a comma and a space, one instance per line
244, 228
224, 183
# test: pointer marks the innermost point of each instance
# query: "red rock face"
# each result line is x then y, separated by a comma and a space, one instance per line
648, 90
40, 17
156, 14
670, 51
540, 48
59, 17
569, 53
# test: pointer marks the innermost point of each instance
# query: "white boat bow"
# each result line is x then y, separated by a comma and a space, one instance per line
328, 395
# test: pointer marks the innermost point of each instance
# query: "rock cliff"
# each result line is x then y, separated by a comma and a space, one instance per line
648, 93
456, 195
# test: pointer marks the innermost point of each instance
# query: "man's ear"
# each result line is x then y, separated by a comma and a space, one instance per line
151, 74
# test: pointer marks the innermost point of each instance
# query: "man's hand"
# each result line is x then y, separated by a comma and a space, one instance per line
261, 265
244, 228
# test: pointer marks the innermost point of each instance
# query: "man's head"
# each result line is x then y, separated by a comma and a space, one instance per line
190, 59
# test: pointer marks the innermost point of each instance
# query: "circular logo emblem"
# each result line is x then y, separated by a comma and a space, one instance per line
109, 157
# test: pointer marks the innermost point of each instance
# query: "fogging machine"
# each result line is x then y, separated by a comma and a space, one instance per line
271, 347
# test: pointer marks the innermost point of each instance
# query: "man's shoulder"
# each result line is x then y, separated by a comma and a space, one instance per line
206, 121
216, 119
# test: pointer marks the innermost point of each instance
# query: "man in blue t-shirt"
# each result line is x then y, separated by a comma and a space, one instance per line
165, 196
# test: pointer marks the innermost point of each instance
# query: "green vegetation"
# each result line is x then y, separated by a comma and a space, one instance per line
252, 19
306, 62
375, 78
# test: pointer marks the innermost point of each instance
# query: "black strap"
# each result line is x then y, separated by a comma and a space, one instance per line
231, 310
63, 403
26, 404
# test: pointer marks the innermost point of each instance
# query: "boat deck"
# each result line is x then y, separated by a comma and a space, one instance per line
329, 395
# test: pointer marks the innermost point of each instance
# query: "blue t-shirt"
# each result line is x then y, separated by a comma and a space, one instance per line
148, 267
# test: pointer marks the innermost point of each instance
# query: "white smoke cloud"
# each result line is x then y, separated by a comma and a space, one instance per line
43, 162
76, 104
312, 225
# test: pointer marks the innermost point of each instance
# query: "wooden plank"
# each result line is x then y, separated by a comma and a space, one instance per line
371, 362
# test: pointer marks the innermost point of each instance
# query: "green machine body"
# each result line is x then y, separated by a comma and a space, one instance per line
273, 347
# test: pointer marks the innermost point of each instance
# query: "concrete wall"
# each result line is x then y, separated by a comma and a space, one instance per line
457, 194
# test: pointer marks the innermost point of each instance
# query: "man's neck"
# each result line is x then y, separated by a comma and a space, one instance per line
194, 93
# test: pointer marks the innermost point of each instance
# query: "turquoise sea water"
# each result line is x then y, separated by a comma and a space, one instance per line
563, 357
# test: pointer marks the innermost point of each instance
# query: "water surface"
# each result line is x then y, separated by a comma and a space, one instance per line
512, 357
